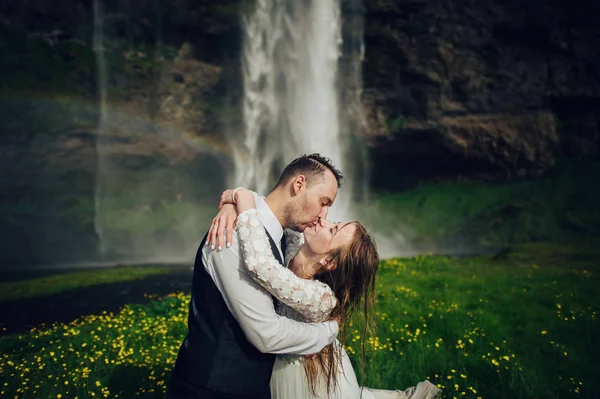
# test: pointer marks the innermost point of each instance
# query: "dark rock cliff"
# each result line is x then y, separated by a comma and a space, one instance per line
470, 90
482, 89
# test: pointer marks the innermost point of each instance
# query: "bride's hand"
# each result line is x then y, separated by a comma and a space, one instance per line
224, 222
241, 197
226, 198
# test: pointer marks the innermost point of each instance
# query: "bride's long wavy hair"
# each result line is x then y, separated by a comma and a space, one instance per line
353, 282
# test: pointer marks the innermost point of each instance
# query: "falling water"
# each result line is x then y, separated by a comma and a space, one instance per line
148, 200
302, 84
291, 61
102, 79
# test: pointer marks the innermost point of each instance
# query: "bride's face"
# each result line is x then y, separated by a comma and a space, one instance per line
321, 240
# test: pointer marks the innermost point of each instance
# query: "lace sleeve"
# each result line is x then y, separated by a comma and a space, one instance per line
312, 299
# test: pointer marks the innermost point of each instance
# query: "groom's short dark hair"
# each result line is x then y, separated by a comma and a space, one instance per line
312, 167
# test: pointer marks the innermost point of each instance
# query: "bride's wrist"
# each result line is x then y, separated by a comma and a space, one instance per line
235, 195
244, 200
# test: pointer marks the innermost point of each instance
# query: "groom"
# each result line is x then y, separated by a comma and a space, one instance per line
233, 330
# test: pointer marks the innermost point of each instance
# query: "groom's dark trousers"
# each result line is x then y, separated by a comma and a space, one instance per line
216, 361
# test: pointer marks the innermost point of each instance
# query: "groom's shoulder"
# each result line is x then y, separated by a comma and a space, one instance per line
208, 254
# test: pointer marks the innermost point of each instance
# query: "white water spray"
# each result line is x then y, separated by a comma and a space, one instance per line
148, 208
102, 80
302, 75
291, 59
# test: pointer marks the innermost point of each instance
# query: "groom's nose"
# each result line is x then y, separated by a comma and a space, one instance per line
323, 216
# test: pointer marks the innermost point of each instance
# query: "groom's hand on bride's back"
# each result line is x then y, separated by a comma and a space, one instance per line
221, 229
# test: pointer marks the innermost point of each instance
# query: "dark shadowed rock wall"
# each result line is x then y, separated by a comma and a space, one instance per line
453, 90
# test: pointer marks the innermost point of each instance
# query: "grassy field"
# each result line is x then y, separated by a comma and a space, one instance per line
43, 286
561, 205
522, 324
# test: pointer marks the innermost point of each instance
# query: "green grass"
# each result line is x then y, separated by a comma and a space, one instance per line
558, 206
522, 324
518, 326
44, 286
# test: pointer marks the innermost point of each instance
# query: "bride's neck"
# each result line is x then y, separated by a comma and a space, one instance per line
305, 264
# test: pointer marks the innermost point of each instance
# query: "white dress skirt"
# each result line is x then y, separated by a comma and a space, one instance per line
289, 381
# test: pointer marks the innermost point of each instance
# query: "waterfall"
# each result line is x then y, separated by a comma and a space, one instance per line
302, 86
102, 80
150, 205
294, 99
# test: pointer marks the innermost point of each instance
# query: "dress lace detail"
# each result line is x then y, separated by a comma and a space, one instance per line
311, 299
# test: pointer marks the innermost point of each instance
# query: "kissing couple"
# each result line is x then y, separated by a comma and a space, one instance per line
271, 297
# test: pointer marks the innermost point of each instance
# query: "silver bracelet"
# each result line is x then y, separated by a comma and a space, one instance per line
233, 195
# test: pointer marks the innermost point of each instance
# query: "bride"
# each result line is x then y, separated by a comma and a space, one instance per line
329, 273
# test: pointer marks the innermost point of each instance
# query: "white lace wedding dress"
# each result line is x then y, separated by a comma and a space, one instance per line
306, 301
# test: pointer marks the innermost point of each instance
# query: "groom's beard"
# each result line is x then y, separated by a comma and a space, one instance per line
295, 216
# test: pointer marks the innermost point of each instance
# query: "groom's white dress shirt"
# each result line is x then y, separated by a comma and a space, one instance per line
252, 306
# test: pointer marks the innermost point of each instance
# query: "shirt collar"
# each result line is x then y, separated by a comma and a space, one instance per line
270, 220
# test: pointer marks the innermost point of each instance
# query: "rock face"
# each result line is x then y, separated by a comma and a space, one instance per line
522, 143
431, 69
163, 128
506, 84
470, 90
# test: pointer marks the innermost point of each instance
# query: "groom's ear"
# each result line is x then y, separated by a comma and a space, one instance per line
299, 184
